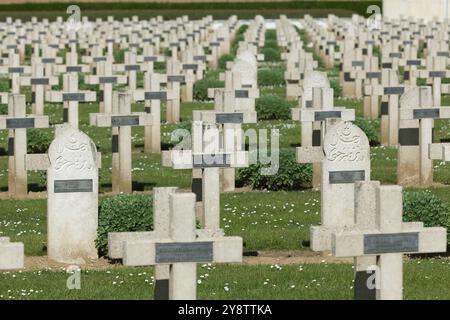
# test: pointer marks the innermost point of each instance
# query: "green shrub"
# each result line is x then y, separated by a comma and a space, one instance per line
224, 59
123, 213
426, 207
38, 140
290, 175
271, 55
3, 109
337, 88
4, 84
271, 77
272, 107
371, 128
271, 34
119, 56
201, 87
271, 44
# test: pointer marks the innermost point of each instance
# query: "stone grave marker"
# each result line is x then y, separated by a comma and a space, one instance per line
72, 204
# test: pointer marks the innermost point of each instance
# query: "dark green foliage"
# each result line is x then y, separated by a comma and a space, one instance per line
271, 77
337, 88
211, 80
271, 44
4, 84
426, 207
224, 59
38, 140
272, 107
271, 55
123, 213
119, 56
289, 176
271, 34
371, 128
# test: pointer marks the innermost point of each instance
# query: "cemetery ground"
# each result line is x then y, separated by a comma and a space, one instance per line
268, 221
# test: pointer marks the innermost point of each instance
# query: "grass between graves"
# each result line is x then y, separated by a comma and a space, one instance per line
265, 220
423, 279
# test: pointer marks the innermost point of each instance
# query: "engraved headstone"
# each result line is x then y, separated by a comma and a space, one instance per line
72, 205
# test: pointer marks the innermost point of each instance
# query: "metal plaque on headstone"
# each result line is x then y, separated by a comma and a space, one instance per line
118, 121
183, 252
336, 177
75, 185
391, 243
229, 118
20, 123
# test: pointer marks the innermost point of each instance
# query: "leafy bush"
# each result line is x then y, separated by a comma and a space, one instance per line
271, 54
337, 88
290, 175
38, 140
123, 213
201, 87
272, 107
271, 44
371, 128
224, 59
4, 85
271, 77
271, 34
425, 207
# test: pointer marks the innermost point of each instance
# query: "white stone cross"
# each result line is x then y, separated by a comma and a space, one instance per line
71, 97
38, 83
123, 119
424, 113
182, 249
17, 122
14, 70
152, 95
380, 235
106, 80
206, 154
393, 91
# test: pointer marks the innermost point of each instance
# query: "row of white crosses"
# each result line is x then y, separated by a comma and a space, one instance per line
298, 61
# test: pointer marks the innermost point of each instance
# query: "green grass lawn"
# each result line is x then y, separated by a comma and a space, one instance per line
423, 279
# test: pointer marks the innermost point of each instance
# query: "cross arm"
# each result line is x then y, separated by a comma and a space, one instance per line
29, 81
431, 74
116, 240
372, 242
117, 79
308, 115
19, 69
118, 120
424, 113
149, 252
186, 159
29, 121
81, 96
150, 58
80, 68
162, 95
213, 117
